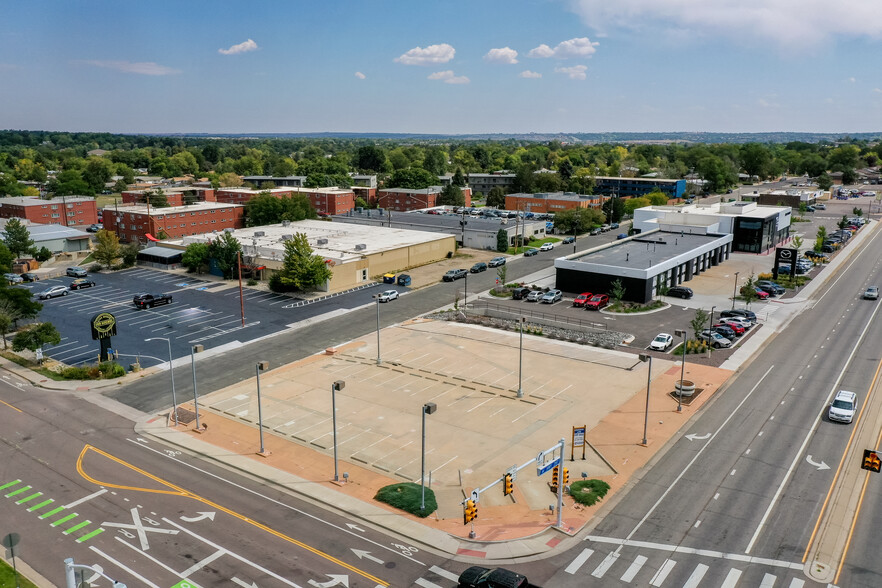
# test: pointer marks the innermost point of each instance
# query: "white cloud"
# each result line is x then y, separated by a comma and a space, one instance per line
448, 77
147, 68
360, 75
505, 55
852, 80
242, 47
429, 56
877, 90
579, 47
576, 72
786, 23
529, 74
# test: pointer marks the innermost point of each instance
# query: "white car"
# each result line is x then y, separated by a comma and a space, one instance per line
546, 246
746, 323
661, 342
387, 295
843, 407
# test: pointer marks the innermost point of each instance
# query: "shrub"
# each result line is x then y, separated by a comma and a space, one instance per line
588, 492
43, 254
108, 369
96, 267
276, 284
407, 497
252, 282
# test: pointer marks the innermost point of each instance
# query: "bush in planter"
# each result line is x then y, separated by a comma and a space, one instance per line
588, 492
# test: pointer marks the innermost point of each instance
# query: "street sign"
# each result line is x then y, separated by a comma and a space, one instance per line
476, 496
10, 540
513, 472
545, 468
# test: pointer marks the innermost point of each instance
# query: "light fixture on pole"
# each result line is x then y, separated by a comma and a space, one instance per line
259, 367
521, 360
648, 380
734, 291
465, 296
710, 324
428, 408
194, 349
171, 372
335, 387
681, 333
377, 298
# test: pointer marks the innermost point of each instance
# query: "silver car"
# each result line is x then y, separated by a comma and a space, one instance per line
535, 296
552, 296
53, 292
872, 293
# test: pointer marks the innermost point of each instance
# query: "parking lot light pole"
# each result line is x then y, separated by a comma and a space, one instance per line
682, 333
335, 387
259, 367
428, 408
735, 291
710, 326
465, 294
171, 372
648, 380
377, 297
194, 349
521, 360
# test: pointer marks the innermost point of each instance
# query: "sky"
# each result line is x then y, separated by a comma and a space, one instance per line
451, 67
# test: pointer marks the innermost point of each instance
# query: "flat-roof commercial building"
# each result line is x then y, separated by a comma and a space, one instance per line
754, 228
356, 254
70, 211
326, 201
643, 262
56, 238
404, 199
140, 223
550, 201
631, 187
477, 233
177, 196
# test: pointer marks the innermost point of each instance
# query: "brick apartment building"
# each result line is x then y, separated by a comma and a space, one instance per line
133, 222
277, 181
69, 211
403, 199
550, 202
365, 187
326, 201
175, 196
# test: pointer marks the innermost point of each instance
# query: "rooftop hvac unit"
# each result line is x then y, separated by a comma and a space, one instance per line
287, 237
286, 223
228, 230
359, 209
260, 233
360, 247
321, 242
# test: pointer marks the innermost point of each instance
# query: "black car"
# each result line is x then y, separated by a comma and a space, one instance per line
151, 300
478, 267
454, 274
480, 577
29, 277
568, 240
770, 287
739, 312
680, 292
726, 332
519, 293
80, 283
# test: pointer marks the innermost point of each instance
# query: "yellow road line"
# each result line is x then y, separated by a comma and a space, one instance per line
10, 406
178, 491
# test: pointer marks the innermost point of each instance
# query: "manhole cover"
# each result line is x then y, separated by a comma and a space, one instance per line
185, 417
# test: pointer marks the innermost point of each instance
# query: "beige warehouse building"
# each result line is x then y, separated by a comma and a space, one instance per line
357, 254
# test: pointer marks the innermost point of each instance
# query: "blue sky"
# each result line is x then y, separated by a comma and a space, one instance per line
470, 66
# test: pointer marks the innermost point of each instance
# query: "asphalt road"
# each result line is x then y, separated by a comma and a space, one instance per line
737, 497
77, 483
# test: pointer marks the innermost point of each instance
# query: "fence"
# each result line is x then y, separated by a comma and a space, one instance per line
534, 315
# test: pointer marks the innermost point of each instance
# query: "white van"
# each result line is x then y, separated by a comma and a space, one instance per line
843, 407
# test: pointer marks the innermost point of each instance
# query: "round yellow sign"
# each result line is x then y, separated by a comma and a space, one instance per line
104, 322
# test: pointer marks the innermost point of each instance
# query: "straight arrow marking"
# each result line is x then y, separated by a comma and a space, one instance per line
366, 555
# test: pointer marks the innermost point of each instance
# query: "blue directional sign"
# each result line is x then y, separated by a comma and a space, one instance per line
546, 467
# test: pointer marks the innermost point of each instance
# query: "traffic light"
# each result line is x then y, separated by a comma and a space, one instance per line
507, 485
554, 476
566, 476
470, 512
871, 461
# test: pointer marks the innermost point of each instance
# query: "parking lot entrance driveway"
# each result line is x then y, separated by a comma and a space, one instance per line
204, 311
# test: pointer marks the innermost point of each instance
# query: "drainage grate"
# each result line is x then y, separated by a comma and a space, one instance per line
687, 400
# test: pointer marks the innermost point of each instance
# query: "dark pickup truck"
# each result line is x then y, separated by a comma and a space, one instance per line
151, 300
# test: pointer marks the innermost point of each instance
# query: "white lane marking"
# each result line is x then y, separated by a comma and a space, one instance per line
606, 564
85, 498
202, 563
697, 523
425, 583
768, 581
797, 458
634, 568
123, 567
578, 561
798, 583
279, 503
731, 578
444, 573
697, 575
695, 551
717, 495
662, 574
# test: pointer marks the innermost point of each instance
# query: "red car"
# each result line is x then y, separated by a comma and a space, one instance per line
597, 302
581, 299
739, 330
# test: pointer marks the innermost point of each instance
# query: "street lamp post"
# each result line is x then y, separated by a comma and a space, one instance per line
735, 291
648, 380
465, 294
681, 333
335, 387
428, 408
193, 350
521, 360
259, 367
377, 297
710, 325
171, 372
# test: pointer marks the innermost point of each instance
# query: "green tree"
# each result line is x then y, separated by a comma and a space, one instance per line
502, 241
97, 173
9, 314
266, 209
35, 336
616, 290
413, 178
699, 321
6, 259
451, 196
496, 197
120, 186
458, 178
22, 301
614, 209
130, 253
756, 159
107, 250
748, 290
302, 269
577, 220
656, 198
225, 250
156, 198
632, 204
43, 254
229, 180
371, 158
196, 257
17, 238
824, 181
435, 161
843, 222
797, 241
849, 176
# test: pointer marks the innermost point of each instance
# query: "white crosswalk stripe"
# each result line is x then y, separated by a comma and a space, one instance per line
731, 578
697, 575
768, 581
444, 573
578, 561
797, 583
634, 568
605, 565
663, 572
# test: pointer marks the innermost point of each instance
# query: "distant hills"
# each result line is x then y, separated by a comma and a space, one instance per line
670, 137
